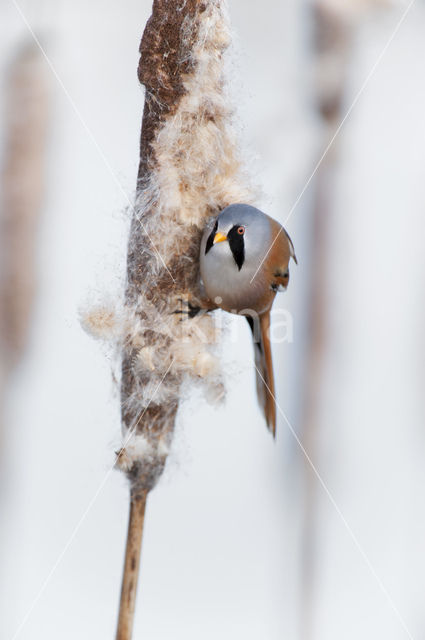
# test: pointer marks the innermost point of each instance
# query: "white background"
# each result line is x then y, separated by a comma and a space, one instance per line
224, 552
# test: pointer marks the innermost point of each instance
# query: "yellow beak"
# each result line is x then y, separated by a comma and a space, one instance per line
219, 237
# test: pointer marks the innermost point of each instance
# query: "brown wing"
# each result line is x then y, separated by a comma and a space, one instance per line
277, 262
264, 369
276, 273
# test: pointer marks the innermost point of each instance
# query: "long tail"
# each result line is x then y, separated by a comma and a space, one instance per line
264, 368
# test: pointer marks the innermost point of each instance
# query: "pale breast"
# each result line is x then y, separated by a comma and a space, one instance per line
232, 289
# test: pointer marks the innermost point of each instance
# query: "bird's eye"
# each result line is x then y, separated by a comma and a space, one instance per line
241, 230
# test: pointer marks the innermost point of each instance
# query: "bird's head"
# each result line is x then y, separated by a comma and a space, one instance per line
240, 232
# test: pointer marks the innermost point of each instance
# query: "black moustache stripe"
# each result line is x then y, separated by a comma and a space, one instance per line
210, 240
237, 245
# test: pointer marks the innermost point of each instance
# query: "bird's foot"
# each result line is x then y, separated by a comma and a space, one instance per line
188, 309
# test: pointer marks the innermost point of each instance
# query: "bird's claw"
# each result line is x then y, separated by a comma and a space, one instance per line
191, 310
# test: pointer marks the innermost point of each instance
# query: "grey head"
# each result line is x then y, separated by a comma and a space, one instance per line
247, 231
232, 248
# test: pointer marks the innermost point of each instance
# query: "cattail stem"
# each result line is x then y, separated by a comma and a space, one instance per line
131, 565
189, 170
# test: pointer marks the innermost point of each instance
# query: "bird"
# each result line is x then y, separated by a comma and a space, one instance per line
244, 262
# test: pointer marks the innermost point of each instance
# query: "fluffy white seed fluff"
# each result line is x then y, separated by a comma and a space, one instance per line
197, 172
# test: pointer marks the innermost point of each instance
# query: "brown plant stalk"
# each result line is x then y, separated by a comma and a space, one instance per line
22, 190
335, 24
131, 566
189, 170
